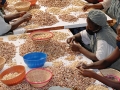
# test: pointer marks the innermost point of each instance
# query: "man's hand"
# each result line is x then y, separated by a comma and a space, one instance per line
86, 7
22, 13
75, 46
87, 73
26, 17
70, 40
84, 66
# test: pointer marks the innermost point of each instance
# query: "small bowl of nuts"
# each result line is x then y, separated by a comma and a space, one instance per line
38, 77
22, 6
41, 35
13, 75
2, 62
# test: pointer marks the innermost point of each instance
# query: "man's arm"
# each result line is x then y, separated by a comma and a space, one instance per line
105, 62
78, 37
24, 18
10, 17
102, 5
90, 6
108, 82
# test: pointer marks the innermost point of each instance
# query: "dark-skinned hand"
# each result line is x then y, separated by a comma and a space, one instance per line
75, 46
87, 73
84, 66
86, 7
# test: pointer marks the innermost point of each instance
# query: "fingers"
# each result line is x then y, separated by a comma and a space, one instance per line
69, 40
84, 66
27, 17
22, 13
71, 43
78, 67
81, 70
84, 8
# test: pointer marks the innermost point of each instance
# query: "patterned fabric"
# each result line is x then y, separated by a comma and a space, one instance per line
114, 10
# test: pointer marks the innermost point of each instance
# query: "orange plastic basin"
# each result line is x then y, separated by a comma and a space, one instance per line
33, 2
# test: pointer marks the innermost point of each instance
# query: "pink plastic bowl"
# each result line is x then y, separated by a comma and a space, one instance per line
41, 35
38, 77
113, 77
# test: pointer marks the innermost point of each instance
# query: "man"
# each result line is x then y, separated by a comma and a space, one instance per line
78, 29
5, 19
98, 36
113, 61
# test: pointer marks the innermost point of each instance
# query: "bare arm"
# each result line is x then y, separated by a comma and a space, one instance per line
76, 37
88, 54
10, 17
16, 24
106, 62
111, 83
98, 6
108, 82
24, 18
95, 6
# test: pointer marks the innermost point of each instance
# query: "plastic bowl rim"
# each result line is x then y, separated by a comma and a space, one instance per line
22, 2
38, 82
35, 52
